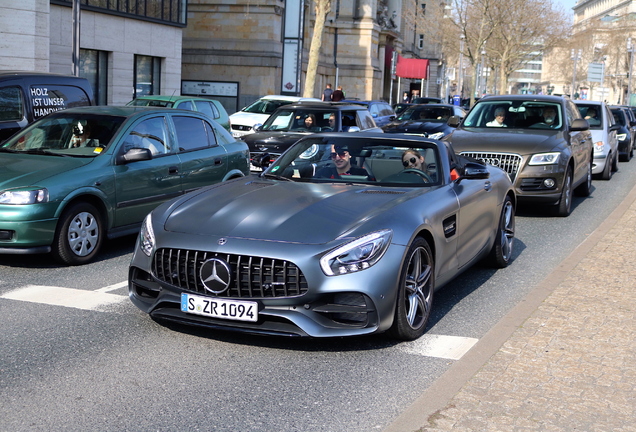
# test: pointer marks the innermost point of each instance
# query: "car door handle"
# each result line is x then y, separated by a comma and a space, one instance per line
218, 161
488, 186
173, 170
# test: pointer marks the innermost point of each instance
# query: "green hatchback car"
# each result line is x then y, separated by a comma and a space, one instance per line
210, 107
78, 176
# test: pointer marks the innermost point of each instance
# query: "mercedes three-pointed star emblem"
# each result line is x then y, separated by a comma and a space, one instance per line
215, 275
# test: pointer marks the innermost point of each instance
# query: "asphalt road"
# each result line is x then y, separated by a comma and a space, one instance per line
77, 356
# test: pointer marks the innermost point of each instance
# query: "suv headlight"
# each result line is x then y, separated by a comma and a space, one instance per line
545, 159
359, 254
20, 197
147, 236
437, 135
621, 137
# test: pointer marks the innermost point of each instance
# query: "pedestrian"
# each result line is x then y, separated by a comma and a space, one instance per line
405, 97
326, 93
338, 95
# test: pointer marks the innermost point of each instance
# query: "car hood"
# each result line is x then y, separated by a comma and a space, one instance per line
283, 211
248, 119
272, 141
416, 127
506, 141
20, 170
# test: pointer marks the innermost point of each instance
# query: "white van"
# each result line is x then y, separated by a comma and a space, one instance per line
243, 122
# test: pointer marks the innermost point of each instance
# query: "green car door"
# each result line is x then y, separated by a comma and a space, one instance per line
144, 184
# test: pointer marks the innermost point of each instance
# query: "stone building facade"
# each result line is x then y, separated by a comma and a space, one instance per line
244, 41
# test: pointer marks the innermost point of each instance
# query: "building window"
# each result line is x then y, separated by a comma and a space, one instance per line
147, 76
94, 67
171, 12
420, 41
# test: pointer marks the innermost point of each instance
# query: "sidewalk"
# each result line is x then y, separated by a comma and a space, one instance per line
564, 359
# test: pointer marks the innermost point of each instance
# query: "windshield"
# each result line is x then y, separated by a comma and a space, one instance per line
619, 116
303, 120
82, 135
593, 114
426, 113
516, 114
387, 162
265, 106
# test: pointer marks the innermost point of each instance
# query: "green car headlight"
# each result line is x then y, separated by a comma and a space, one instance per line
21, 197
147, 236
545, 159
359, 254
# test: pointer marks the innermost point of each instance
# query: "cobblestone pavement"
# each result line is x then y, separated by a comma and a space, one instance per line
571, 365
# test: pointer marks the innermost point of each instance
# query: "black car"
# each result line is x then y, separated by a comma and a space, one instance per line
426, 100
625, 133
291, 122
381, 111
428, 120
28, 96
542, 142
399, 108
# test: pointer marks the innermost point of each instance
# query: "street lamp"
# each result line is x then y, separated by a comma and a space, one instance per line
576, 56
481, 68
630, 50
460, 81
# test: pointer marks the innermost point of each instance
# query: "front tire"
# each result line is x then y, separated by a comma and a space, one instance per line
79, 235
585, 188
501, 252
415, 292
564, 207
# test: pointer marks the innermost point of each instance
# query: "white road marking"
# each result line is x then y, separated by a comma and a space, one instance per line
448, 347
112, 287
68, 297
429, 345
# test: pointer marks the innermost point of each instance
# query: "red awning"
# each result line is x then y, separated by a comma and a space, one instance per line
412, 68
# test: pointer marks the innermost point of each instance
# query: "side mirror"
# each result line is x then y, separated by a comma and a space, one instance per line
579, 125
257, 127
475, 171
392, 118
262, 161
353, 129
615, 127
134, 155
453, 121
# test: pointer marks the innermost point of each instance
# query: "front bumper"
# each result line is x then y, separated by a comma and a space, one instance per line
21, 234
530, 184
333, 306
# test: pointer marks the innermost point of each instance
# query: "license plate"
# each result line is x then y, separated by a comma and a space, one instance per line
255, 168
237, 134
219, 308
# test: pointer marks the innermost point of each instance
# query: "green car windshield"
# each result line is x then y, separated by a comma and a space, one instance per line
66, 135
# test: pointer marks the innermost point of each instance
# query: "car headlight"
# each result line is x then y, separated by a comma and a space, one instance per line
147, 236
598, 146
19, 197
356, 255
437, 136
545, 159
621, 137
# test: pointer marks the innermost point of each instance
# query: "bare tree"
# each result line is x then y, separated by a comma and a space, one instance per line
525, 29
321, 9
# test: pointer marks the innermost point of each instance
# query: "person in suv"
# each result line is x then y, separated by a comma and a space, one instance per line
287, 125
546, 148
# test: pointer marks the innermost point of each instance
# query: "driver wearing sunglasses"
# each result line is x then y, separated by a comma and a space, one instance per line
342, 165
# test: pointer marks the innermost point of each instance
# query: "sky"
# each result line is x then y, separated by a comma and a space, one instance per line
567, 4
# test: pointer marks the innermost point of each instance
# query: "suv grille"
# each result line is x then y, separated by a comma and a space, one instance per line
251, 277
506, 161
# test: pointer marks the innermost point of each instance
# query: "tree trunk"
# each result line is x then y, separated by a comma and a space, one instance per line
322, 8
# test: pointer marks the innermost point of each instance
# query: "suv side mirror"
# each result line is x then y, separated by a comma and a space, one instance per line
579, 125
353, 129
257, 127
453, 121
